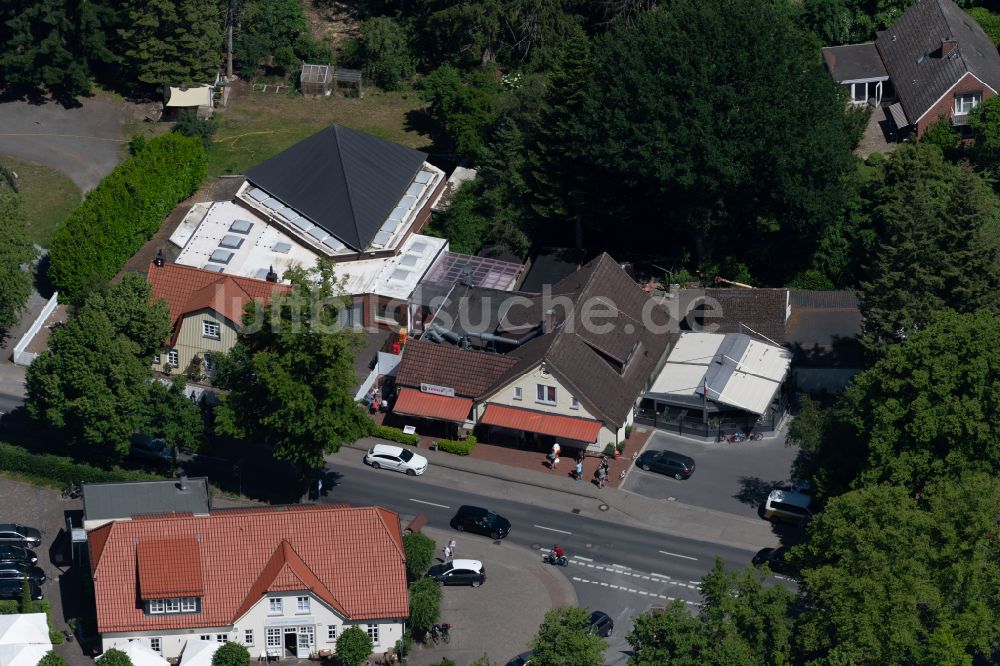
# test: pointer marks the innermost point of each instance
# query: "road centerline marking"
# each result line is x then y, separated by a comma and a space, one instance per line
552, 529
686, 557
443, 506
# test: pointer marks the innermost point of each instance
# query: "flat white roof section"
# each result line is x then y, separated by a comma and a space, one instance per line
182, 234
394, 277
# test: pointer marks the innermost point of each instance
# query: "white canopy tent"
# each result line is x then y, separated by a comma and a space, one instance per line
23, 654
25, 629
141, 654
198, 652
199, 95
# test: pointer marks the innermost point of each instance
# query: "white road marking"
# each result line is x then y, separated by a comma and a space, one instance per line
686, 557
695, 582
552, 529
659, 575
635, 591
443, 506
585, 559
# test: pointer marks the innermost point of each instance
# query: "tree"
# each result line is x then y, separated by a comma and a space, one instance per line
52, 658
16, 255
935, 248
354, 645
231, 654
291, 372
671, 637
425, 604
385, 51
563, 640
38, 47
466, 108
419, 550
114, 657
985, 125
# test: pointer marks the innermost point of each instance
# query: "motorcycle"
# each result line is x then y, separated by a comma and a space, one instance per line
549, 558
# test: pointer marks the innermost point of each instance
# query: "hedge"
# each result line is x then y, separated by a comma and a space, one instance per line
10, 607
124, 211
57, 471
458, 448
395, 435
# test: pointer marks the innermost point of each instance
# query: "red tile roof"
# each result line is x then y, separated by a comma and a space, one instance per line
169, 568
567, 427
350, 558
411, 402
187, 289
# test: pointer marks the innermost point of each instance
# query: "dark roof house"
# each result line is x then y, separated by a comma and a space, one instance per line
104, 502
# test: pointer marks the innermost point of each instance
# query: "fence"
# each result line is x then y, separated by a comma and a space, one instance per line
21, 356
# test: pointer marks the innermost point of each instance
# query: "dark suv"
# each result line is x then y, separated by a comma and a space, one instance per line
12, 588
777, 560
480, 521
17, 554
18, 535
18, 571
670, 463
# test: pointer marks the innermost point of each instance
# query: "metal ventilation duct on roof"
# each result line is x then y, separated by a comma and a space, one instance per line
221, 256
230, 241
258, 194
333, 243
282, 247
319, 233
215, 268
423, 177
241, 226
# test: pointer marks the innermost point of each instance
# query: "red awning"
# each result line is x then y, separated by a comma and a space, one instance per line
411, 402
568, 427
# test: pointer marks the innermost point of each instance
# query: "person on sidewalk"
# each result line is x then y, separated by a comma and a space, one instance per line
554, 455
451, 546
602, 476
447, 552
579, 471
555, 461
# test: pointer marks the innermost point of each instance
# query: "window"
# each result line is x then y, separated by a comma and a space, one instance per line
574, 403
222, 638
156, 605
517, 393
173, 358
273, 637
156, 359
385, 312
189, 604
373, 633
206, 637
967, 102
154, 644
172, 605
211, 329
546, 394
274, 605
248, 636
331, 633
207, 359
860, 92
301, 604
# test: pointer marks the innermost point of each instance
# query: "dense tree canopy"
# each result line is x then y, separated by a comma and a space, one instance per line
563, 640
16, 255
171, 42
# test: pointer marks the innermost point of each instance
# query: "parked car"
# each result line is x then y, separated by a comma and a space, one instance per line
10, 553
601, 624
787, 506
17, 570
396, 458
776, 559
13, 534
459, 572
523, 659
13, 588
671, 463
480, 521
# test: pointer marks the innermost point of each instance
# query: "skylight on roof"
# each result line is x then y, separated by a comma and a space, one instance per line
319, 233
407, 202
287, 213
258, 194
415, 190
260, 274
231, 241
271, 203
302, 223
221, 256
282, 247
333, 243
390, 225
215, 268
241, 226
418, 248
409, 260
423, 177
399, 213
381, 238
400, 275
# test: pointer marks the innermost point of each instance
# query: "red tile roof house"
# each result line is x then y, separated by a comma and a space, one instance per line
934, 59
206, 310
284, 581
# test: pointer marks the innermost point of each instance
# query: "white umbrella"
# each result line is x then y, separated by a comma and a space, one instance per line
141, 654
199, 653
22, 655
27, 628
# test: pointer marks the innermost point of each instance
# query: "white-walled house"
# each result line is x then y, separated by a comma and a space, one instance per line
284, 581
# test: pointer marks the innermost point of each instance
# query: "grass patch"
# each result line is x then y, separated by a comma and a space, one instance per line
48, 196
257, 126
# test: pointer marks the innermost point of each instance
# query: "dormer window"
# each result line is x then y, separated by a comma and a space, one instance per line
172, 605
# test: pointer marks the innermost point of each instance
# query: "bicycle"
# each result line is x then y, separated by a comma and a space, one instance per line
439, 633
72, 490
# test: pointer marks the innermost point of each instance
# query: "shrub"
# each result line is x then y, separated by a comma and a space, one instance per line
114, 657
394, 435
57, 471
354, 646
620, 446
609, 450
52, 659
231, 654
124, 211
9, 607
189, 123
386, 52
425, 604
458, 448
628, 431
419, 550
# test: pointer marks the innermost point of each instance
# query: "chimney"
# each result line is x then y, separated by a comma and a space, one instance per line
947, 45
182, 481
271, 275
548, 321
158, 262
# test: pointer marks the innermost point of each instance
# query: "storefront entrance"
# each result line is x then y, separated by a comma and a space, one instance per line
291, 641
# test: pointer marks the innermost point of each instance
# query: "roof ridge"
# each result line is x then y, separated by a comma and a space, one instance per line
385, 526
347, 186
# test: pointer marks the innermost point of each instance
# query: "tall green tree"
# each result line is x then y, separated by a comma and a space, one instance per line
937, 245
425, 604
291, 373
385, 52
563, 640
16, 254
467, 108
38, 47
419, 549
171, 42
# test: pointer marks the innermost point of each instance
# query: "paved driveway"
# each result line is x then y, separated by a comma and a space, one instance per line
83, 142
734, 478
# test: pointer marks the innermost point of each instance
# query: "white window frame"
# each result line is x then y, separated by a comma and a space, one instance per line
156, 359
156, 644
174, 358
222, 638
274, 637
966, 102
574, 402
207, 361
301, 604
156, 606
189, 604
331, 633
373, 633
207, 328
248, 636
275, 606
542, 392
517, 393
172, 605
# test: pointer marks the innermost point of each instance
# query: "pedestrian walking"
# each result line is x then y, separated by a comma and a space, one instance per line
451, 546
447, 552
555, 461
579, 471
602, 475
319, 487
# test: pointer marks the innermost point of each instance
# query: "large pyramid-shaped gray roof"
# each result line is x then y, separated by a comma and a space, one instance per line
345, 181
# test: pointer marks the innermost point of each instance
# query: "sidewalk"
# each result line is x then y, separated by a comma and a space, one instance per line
614, 505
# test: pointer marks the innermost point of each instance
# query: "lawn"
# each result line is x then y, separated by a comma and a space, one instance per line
257, 126
47, 195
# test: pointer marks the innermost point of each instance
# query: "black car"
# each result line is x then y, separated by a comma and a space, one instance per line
601, 624
13, 534
12, 588
17, 554
776, 559
673, 464
459, 572
523, 659
480, 521
15, 570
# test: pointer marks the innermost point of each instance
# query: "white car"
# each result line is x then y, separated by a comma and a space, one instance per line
396, 457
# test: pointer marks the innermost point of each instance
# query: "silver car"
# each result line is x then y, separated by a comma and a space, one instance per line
386, 456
